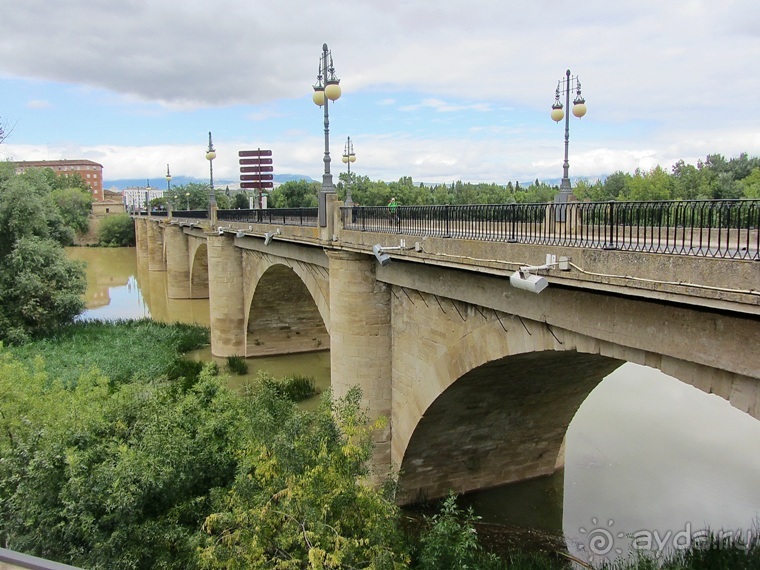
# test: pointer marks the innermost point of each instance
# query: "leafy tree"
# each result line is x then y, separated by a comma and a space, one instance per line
751, 184
110, 478
75, 206
295, 194
117, 231
240, 201
298, 500
197, 199
40, 289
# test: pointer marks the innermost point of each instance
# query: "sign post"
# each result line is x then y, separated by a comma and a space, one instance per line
256, 172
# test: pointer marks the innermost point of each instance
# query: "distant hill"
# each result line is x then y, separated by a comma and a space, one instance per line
160, 183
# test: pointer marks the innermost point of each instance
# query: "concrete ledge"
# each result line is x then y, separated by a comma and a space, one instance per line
10, 560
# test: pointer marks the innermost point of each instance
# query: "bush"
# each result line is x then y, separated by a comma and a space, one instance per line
117, 231
40, 289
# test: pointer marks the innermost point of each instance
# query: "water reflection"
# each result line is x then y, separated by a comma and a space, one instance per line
118, 287
645, 452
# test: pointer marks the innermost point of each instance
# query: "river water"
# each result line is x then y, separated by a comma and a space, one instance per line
647, 457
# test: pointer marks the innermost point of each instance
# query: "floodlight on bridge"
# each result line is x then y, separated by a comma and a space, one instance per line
270, 235
240, 233
528, 282
382, 257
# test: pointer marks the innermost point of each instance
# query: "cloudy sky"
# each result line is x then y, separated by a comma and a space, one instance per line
433, 89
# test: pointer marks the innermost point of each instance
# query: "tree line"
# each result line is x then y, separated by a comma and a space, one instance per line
713, 178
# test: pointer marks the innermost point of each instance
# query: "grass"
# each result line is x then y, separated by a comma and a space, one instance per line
123, 351
237, 365
294, 387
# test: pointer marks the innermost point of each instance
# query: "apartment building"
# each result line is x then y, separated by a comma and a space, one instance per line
91, 172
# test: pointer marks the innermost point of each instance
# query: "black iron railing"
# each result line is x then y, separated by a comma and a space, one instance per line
284, 216
706, 228
195, 214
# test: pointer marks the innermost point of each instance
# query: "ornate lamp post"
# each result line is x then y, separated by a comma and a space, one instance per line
564, 87
348, 158
327, 88
187, 198
210, 156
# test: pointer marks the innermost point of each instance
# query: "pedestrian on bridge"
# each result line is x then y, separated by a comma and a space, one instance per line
392, 206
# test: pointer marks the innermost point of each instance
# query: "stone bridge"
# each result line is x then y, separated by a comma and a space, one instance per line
479, 379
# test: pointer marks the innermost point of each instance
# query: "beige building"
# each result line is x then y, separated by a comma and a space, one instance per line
91, 172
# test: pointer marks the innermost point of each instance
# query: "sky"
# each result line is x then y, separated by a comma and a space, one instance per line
433, 89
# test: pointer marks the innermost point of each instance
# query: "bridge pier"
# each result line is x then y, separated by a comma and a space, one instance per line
141, 237
225, 272
360, 341
155, 247
177, 263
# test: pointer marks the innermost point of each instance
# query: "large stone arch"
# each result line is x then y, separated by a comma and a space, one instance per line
287, 305
199, 275
452, 361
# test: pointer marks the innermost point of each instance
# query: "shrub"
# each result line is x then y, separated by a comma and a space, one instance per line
117, 231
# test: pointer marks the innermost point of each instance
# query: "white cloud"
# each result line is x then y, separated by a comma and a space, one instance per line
662, 80
38, 104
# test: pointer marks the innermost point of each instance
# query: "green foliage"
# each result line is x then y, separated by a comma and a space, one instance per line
451, 540
295, 194
237, 365
40, 289
75, 206
240, 201
117, 231
298, 500
107, 478
123, 351
195, 195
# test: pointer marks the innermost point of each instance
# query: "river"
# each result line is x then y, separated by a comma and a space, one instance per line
647, 457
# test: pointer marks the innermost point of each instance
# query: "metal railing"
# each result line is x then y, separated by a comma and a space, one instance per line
284, 216
706, 228
195, 214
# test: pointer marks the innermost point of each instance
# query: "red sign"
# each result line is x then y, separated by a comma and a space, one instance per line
256, 177
257, 184
258, 152
255, 161
257, 169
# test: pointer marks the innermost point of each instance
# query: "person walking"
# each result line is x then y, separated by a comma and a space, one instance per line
392, 206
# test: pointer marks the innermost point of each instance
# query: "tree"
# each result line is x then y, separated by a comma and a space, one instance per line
117, 231
240, 201
75, 206
40, 289
298, 500
295, 194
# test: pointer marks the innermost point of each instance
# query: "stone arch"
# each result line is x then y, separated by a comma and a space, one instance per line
287, 304
199, 270
483, 357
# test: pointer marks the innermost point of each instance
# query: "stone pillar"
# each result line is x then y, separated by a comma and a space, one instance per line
360, 341
155, 247
225, 278
177, 263
141, 236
